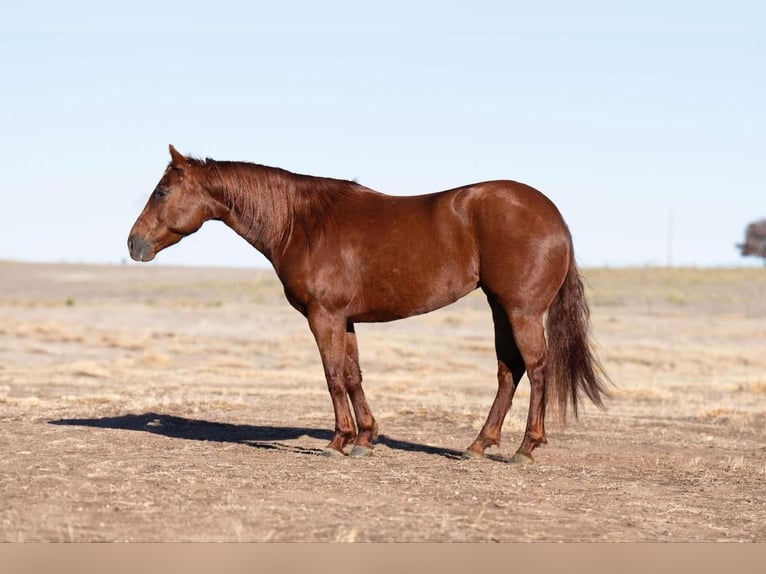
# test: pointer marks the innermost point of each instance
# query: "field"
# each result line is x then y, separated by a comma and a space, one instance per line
147, 403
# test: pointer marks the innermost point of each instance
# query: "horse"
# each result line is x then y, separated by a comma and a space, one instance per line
347, 254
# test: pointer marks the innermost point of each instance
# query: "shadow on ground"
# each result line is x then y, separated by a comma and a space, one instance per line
265, 437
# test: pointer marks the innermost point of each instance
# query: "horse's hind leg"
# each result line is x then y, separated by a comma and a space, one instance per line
530, 339
510, 369
365, 422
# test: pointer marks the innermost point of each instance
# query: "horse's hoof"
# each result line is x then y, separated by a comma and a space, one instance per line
330, 452
521, 458
360, 451
469, 454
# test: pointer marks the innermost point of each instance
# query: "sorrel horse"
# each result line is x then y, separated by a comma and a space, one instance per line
347, 254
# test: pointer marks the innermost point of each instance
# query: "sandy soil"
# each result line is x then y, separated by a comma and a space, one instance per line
145, 403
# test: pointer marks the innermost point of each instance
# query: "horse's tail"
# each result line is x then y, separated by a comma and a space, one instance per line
572, 367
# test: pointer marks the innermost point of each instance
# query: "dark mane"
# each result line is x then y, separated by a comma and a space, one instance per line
272, 200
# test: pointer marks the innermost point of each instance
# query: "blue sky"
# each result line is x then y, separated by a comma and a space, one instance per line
645, 122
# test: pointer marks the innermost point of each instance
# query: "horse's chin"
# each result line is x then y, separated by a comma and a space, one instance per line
145, 257
142, 257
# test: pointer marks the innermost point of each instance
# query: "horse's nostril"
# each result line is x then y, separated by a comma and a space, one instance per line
130, 244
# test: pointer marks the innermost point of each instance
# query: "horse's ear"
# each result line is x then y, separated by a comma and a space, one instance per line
177, 158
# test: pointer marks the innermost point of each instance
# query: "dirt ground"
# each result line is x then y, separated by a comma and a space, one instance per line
149, 403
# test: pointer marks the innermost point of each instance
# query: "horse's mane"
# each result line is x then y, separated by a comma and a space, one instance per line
272, 201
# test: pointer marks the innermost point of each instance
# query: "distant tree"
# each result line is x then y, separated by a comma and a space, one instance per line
755, 240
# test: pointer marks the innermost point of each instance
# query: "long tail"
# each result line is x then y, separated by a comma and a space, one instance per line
572, 367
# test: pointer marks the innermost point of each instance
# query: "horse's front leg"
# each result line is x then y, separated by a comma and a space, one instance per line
368, 428
330, 334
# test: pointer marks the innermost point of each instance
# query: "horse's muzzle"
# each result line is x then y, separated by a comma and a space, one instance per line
140, 249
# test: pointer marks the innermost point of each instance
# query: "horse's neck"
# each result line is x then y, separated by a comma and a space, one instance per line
256, 204
269, 206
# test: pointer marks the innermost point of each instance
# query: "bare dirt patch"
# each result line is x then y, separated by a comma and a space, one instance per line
176, 404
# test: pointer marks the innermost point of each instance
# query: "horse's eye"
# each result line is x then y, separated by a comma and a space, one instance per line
160, 193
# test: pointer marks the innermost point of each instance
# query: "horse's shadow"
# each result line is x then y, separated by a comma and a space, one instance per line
263, 437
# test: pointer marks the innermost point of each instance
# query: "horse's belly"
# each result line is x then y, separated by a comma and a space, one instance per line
396, 294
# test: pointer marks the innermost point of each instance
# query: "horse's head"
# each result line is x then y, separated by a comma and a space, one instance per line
178, 207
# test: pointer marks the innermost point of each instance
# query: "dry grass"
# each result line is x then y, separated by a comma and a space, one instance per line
758, 387
188, 404
666, 290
